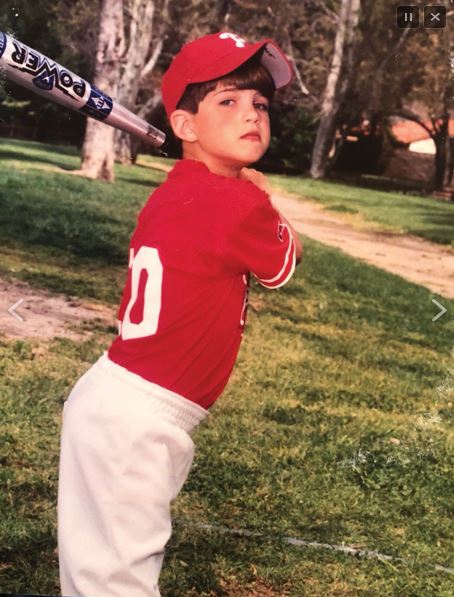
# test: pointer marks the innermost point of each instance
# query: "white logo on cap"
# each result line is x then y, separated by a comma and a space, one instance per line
239, 41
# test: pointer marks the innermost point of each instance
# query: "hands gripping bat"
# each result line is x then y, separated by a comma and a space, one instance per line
33, 70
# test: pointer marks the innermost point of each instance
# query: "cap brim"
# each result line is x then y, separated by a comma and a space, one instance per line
273, 59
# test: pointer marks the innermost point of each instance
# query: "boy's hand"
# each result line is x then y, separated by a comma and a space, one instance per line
257, 178
262, 183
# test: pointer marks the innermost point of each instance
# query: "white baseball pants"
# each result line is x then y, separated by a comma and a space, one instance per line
125, 454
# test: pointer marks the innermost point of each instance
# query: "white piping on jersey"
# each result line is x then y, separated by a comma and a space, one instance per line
287, 255
291, 248
131, 257
245, 301
287, 278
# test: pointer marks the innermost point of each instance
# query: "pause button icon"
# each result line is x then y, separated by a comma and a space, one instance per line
407, 16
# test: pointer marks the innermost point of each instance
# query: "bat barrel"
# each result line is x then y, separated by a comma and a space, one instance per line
40, 74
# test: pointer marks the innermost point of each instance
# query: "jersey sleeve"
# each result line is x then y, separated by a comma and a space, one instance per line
260, 243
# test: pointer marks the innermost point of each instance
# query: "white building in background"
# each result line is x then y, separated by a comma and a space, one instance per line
417, 139
426, 146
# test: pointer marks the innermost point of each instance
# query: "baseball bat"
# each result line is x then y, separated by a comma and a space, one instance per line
33, 70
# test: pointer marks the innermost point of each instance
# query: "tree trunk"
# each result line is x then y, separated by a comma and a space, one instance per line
131, 145
335, 87
442, 154
138, 65
443, 158
98, 149
439, 133
450, 162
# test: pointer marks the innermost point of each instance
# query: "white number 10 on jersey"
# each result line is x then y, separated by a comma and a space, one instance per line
146, 259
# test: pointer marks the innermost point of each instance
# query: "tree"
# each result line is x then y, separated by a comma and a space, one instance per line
145, 41
98, 148
338, 81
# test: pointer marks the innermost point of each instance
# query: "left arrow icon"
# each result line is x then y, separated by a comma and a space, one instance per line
12, 310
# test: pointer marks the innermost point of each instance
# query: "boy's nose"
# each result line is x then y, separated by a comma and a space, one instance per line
252, 114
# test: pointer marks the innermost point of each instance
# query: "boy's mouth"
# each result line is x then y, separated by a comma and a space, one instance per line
252, 136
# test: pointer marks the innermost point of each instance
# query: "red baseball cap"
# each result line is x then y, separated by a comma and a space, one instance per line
214, 56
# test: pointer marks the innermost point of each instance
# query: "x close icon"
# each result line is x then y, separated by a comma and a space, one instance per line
435, 17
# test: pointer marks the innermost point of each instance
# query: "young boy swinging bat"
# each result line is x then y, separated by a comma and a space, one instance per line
126, 448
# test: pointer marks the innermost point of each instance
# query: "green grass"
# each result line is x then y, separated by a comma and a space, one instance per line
404, 213
336, 427
63, 232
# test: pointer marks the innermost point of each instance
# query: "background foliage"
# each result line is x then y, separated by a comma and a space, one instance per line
389, 74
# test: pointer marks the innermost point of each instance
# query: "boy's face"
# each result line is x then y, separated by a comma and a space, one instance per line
217, 131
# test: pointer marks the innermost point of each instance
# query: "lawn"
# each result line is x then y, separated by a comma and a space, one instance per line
336, 427
398, 212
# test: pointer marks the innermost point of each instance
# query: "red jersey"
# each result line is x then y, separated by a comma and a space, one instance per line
184, 305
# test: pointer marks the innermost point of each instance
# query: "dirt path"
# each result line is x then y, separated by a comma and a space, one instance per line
40, 314
417, 260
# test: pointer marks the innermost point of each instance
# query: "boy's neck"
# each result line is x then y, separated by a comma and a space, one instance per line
213, 165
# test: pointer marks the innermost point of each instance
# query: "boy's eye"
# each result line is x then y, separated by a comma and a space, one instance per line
263, 107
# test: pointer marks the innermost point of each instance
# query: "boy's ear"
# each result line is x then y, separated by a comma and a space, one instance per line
182, 125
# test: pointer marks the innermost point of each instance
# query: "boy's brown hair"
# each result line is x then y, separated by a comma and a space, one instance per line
250, 75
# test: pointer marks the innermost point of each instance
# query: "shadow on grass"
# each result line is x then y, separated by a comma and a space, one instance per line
143, 183
42, 159
80, 286
44, 147
442, 230
191, 569
28, 560
50, 217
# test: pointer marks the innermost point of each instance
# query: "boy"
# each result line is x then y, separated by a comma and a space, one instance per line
125, 448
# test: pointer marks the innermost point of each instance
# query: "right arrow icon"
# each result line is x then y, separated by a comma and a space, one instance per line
442, 310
